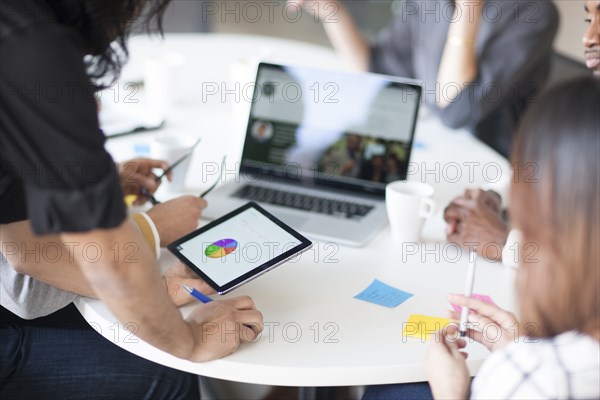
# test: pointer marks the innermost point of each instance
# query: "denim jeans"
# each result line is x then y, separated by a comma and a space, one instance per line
403, 391
61, 357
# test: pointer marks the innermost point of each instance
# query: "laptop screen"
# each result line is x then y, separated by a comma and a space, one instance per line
335, 129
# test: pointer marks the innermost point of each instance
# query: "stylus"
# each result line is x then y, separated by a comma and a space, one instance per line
464, 314
144, 192
197, 294
176, 163
214, 185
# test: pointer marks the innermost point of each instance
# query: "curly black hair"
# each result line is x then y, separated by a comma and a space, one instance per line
105, 25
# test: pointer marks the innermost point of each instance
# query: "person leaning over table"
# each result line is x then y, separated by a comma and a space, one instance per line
39, 276
477, 216
38, 320
57, 176
480, 60
552, 350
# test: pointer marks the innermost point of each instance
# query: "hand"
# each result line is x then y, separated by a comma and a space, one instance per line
445, 365
179, 275
176, 218
320, 9
475, 219
489, 324
136, 175
219, 327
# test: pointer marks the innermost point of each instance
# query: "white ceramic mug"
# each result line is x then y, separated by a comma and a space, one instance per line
162, 73
171, 148
408, 205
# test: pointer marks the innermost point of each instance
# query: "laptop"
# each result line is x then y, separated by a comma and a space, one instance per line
320, 148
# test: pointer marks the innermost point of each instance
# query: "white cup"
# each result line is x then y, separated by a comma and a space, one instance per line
171, 148
408, 205
161, 73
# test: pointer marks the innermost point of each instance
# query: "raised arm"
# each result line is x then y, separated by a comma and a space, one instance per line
503, 71
459, 60
341, 30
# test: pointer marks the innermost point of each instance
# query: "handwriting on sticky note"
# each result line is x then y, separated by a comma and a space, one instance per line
482, 297
383, 295
423, 326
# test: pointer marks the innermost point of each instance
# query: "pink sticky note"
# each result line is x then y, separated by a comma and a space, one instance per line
481, 297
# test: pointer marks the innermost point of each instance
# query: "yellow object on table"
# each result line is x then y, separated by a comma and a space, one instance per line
423, 326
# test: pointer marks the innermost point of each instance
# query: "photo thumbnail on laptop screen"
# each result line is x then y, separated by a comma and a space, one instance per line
331, 127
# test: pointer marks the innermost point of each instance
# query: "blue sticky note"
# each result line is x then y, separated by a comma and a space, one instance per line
417, 144
383, 295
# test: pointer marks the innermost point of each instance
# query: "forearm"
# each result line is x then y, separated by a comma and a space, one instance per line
45, 259
459, 60
347, 39
132, 288
48, 260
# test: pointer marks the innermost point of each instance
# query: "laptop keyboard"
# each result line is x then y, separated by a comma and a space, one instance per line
320, 205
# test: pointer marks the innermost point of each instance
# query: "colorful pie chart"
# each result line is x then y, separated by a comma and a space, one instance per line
221, 248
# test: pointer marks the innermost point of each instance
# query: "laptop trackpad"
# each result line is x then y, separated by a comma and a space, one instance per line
294, 221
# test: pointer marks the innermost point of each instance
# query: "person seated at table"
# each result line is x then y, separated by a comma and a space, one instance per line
59, 187
481, 61
477, 216
552, 350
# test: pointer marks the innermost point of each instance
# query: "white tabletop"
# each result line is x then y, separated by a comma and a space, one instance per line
316, 333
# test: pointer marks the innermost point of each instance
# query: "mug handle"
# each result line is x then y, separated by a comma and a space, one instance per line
427, 208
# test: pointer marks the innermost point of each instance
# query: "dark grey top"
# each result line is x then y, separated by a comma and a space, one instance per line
514, 49
54, 169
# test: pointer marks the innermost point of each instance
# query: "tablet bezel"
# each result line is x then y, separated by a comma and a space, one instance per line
304, 245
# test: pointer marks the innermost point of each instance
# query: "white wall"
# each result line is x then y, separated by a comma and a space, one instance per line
572, 27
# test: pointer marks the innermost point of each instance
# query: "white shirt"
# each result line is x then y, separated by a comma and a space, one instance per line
564, 367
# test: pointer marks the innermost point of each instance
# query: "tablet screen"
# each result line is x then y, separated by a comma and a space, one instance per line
233, 247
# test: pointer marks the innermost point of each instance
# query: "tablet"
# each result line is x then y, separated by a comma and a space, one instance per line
239, 247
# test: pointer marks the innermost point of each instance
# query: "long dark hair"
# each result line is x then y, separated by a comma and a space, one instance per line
555, 202
104, 26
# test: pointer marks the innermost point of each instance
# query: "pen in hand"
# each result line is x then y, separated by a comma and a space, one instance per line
144, 192
205, 299
197, 294
464, 314
216, 182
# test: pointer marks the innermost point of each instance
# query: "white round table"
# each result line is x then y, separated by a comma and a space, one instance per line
316, 333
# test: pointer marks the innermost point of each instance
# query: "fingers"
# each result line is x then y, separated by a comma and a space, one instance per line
453, 215
451, 228
199, 285
148, 182
201, 202
474, 333
453, 212
474, 194
248, 333
251, 319
192, 201
140, 200
467, 203
241, 303
449, 341
487, 310
439, 344
147, 164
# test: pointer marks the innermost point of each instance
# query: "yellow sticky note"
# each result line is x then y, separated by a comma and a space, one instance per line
423, 326
130, 199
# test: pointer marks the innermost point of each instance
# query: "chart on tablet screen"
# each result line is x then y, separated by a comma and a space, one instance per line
221, 248
237, 246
